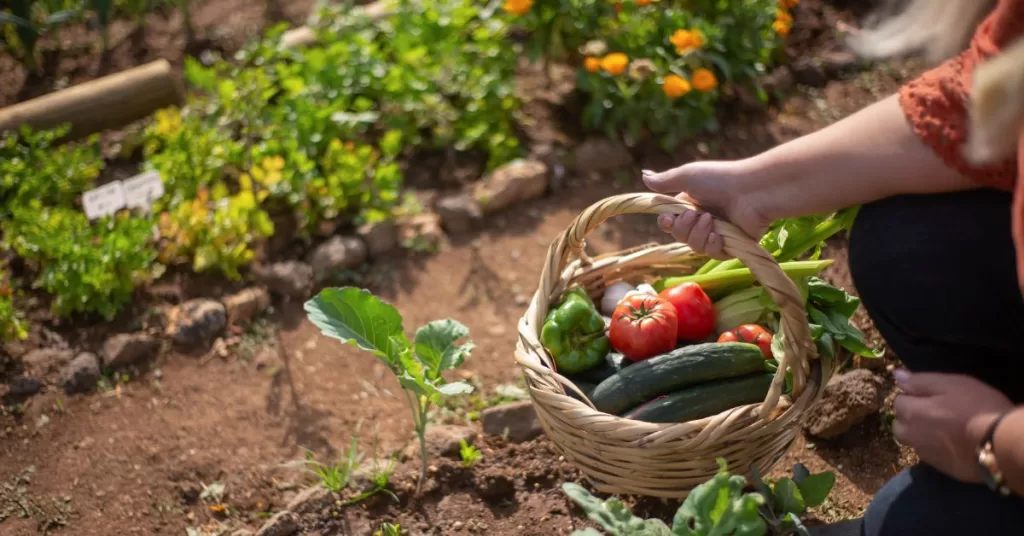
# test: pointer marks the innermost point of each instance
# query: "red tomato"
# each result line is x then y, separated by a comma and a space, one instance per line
694, 310
753, 334
643, 326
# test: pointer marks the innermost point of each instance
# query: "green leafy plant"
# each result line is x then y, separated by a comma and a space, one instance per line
468, 453
336, 476
87, 267
655, 69
788, 498
36, 167
718, 507
25, 21
389, 529
12, 322
357, 317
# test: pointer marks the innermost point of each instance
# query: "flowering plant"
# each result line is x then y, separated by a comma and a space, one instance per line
656, 68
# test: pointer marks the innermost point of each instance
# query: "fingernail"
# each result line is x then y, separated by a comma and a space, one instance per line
665, 221
902, 376
647, 173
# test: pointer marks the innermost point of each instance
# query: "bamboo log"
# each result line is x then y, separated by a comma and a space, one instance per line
104, 103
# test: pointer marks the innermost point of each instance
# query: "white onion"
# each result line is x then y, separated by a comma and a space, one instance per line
613, 295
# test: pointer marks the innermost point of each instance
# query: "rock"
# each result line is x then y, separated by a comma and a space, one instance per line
244, 305
81, 374
293, 279
778, 82
443, 440
196, 322
282, 524
458, 212
309, 500
380, 236
515, 182
127, 348
24, 386
839, 62
422, 232
601, 154
807, 72
848, 399
338, 253
518, 418
46, 360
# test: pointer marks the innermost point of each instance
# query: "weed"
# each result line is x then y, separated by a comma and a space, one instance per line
469, 454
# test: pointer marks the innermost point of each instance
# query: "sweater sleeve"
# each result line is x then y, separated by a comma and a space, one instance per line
935, 103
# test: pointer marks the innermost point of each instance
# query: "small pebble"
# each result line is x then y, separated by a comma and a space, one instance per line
457, 525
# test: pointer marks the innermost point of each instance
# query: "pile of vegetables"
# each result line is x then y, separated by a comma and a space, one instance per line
687, 347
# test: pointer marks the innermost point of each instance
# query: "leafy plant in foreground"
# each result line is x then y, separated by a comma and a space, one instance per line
718, 507
355, 316
389, 529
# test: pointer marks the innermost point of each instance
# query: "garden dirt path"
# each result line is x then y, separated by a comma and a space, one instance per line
131, 461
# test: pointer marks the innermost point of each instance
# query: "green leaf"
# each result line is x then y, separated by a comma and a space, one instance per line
436, 346
614, 516
815, 488
9, 18
356, 316
792, 524
824, 294
455, 388
719, 507
788, 497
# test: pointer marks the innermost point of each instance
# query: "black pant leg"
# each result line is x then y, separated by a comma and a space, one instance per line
937, 275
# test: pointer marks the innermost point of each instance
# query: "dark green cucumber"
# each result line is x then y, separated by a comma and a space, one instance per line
704, 400
668, 373
613, 363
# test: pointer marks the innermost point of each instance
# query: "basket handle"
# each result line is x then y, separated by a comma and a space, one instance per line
799, 344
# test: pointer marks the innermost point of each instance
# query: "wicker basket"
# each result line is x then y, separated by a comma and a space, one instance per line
625, 456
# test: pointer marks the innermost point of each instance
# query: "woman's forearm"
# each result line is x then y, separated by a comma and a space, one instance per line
870, 155
1008, 442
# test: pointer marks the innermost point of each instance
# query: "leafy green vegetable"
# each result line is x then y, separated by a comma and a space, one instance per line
355, 316
717, 507
830, 310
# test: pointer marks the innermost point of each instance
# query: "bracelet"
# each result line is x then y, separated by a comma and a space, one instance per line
987, 463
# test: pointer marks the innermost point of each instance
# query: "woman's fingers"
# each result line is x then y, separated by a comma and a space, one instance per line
694, 229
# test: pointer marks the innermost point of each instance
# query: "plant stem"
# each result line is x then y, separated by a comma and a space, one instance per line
724, 280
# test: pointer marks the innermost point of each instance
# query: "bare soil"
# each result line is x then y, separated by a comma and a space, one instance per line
135, 459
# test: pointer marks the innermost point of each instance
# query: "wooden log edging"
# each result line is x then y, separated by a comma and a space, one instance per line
101, 104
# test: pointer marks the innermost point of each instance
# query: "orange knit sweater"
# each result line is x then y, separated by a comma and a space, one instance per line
935, 105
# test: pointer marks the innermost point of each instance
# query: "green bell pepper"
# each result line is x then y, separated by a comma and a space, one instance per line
574, 333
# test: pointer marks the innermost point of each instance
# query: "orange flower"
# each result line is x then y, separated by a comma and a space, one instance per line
614, 63
517, 7
687, 40
783, 16
642, 3
675, 86
704, 80
789, 4
781, 28
592, 65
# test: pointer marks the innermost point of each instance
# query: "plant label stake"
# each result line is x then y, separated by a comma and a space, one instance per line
141, 190
103, 201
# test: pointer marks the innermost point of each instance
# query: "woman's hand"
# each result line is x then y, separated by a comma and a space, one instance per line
944, 417
715, 188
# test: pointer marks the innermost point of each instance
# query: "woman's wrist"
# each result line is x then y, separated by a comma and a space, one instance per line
1008, 447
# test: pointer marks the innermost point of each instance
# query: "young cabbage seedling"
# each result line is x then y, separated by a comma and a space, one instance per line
356, 316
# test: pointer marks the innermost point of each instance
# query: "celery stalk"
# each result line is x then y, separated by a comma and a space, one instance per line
718, 283
823, 231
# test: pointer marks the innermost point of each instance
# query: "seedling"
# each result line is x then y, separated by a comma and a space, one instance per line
356, 316
468, 453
